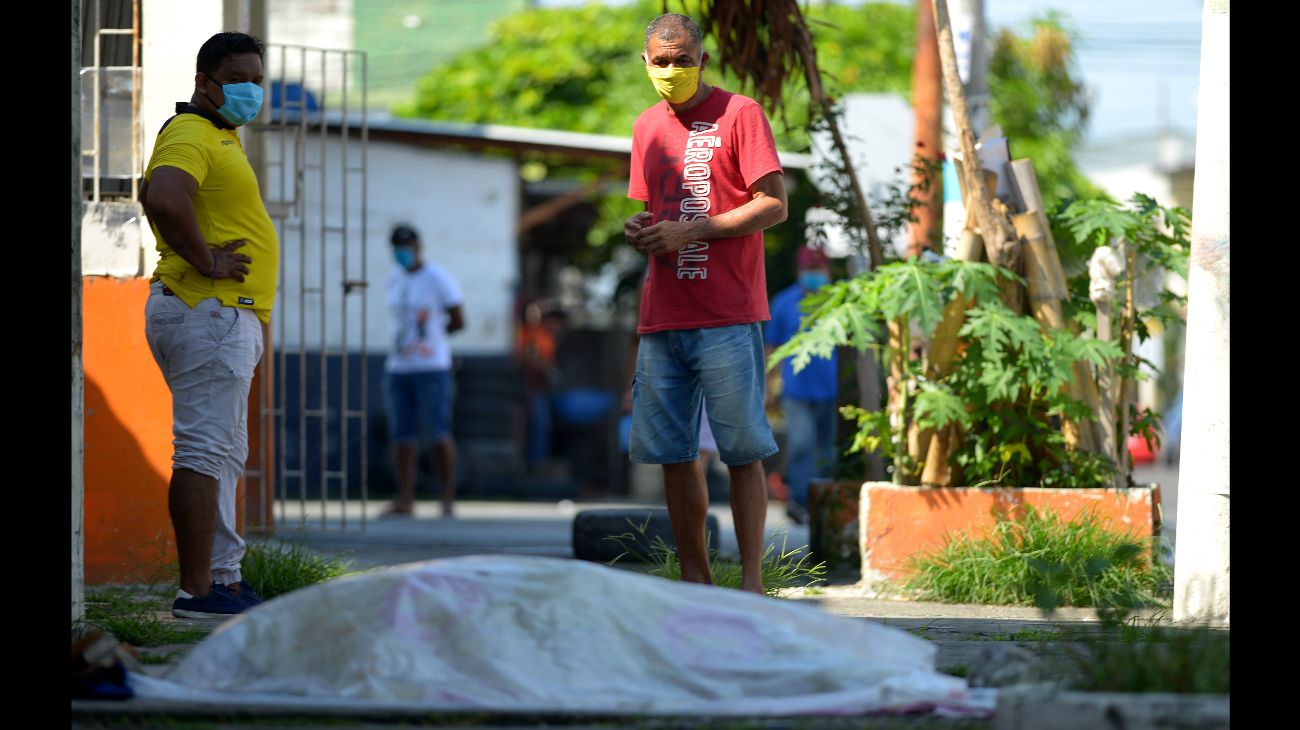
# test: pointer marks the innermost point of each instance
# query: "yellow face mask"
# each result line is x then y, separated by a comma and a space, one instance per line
676, 84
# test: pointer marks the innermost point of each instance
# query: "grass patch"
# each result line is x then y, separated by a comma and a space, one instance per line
1040, 560
1151, 658
129, 615
149, 630
782, 571
274, 568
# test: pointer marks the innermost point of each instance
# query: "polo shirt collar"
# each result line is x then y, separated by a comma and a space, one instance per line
186, 107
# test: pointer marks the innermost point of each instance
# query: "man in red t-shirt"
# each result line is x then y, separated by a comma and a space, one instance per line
705, 164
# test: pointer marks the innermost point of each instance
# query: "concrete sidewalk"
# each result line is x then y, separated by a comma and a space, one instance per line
479, 528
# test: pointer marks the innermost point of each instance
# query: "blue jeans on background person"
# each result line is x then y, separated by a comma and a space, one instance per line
810, 443
538, 434
419, 402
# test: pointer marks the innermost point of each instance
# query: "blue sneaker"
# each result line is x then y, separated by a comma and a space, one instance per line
220, 602
246, 593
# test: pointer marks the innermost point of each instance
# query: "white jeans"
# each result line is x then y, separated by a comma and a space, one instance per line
208, 355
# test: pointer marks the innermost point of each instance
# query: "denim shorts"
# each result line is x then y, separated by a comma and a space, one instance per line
677, 371
419, 400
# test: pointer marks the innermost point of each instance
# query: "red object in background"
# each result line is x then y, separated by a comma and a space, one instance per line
776, 487
1141, 452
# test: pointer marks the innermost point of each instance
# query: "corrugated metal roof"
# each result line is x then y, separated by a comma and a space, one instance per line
428, 132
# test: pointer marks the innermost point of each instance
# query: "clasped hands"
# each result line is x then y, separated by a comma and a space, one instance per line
660, 238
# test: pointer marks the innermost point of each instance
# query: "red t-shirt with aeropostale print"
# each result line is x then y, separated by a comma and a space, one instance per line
693, 166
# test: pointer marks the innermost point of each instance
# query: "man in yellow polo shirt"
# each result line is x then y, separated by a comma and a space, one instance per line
212, 290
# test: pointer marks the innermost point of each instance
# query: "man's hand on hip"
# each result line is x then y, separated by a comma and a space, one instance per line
663, 237
227, 264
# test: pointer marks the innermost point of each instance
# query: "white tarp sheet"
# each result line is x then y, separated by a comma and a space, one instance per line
530, 633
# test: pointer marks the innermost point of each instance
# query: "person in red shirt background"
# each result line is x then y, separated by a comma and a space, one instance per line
705, 164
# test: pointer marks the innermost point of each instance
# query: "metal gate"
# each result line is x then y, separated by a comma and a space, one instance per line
310, 147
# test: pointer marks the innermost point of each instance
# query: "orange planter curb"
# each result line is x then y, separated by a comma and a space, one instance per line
897, 522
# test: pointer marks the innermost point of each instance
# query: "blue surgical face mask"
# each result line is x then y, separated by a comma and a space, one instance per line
810, 280
404, 256
243, 102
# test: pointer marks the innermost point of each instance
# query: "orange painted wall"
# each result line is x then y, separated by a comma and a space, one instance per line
128, 440
898, 522
128, 535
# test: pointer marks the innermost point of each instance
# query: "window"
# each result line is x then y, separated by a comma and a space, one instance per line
111, 167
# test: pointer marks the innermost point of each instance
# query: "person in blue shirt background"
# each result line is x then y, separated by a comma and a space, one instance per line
808, 398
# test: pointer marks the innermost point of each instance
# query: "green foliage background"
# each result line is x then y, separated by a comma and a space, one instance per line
579, 69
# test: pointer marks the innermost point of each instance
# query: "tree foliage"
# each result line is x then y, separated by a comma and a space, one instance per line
1007, 387
578, 69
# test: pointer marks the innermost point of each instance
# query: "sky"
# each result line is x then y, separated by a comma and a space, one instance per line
1139, 59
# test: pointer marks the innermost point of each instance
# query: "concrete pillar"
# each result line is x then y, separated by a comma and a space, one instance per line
1201, 567
77, 496
236, 15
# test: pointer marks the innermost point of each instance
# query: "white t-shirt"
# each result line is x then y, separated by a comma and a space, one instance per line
417, 303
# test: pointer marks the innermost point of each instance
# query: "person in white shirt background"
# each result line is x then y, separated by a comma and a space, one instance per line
425, 306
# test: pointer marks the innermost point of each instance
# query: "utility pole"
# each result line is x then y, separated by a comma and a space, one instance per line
927, 100
1201, 566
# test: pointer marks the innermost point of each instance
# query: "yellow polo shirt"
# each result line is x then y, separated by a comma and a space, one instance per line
228, 206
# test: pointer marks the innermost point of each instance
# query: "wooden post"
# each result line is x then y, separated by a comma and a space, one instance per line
1106, 388
1045, 306
78, 383
1028, 196
258, 483
898, 349
1122, 459
996, 231
1051, 274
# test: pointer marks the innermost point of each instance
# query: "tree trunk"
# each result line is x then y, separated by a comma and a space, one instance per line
1126, 382
927, 99
868, 365
812, 76
998, 239
1045, 306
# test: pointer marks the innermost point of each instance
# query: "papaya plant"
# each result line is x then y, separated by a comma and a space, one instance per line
1004, 392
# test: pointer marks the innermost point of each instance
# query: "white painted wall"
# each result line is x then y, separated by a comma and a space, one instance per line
171, 32
115, 239
315, 23
878, 130
464, 206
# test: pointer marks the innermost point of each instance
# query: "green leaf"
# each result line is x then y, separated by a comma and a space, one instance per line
936, 407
